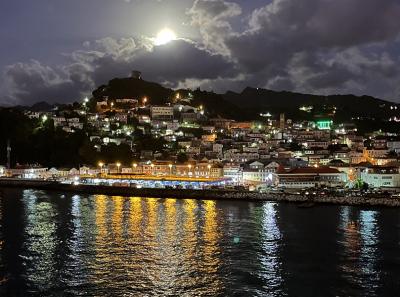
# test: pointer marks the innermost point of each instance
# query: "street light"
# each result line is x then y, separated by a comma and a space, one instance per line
152, 169
118, 166
209, 170
170, 169
101, 164
134, 167
190, 167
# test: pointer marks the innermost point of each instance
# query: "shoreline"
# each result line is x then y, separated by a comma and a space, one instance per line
197, 194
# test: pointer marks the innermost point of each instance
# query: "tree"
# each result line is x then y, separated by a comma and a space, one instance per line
182, 158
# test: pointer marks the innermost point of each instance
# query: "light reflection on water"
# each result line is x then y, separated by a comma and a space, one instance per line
116, 246
368, 255
269, 258
41, 241
2, 276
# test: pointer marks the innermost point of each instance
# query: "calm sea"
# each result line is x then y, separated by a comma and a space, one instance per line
77, 245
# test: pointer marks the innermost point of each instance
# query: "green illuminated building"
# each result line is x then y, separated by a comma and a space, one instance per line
324, 124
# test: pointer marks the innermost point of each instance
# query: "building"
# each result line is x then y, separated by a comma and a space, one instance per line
189, 117
282, 121
258, 172
166, 168
381, 177
233, 172
136, 74
310, 177
162, 112
324, 124
28, 171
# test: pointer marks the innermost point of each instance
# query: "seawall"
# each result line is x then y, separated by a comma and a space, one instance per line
196, 194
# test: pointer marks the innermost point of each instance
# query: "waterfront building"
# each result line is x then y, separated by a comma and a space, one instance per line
299, 178
27, 171
234, 172
381, 176
62, 172
85, 170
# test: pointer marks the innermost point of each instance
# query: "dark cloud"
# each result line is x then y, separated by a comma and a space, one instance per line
109, 58
26, 83
181, 60
316, 46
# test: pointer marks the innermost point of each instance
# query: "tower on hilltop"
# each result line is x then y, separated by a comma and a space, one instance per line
136, 74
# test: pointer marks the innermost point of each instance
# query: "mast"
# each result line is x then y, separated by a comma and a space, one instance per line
8, 154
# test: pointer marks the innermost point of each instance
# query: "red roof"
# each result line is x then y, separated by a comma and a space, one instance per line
310, 170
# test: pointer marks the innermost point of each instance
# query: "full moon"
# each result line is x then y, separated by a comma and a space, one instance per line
164, 36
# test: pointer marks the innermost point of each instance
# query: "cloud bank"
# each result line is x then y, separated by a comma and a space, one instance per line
316, 46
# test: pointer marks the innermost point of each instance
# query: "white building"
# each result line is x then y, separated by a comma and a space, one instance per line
393, 145
59, 121
234, 172
218, 148
31, 172
2, 171
257, 176
258, 172
162, 112
381, 177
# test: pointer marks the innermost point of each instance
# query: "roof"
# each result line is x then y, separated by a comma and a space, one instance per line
309, 170
337, 162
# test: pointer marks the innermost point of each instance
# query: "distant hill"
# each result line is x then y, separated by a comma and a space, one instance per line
42, 106
347, 106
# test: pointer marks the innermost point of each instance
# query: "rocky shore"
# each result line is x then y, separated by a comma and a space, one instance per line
198, 194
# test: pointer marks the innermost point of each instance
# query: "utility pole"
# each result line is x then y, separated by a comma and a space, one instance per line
8, 154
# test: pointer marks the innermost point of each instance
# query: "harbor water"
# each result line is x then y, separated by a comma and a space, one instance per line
55, 244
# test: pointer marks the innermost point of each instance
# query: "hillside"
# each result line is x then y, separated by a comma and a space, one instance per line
133, 88
347, 106
215, 104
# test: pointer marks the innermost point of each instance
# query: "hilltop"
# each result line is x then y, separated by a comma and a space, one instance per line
158, 94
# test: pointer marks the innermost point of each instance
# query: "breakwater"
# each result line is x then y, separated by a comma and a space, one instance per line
210, 194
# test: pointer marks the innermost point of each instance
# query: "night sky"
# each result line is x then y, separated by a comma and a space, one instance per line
60, 50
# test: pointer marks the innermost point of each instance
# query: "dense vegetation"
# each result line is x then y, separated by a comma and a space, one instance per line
35, 141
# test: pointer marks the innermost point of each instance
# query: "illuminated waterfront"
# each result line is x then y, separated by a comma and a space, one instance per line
56, 245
